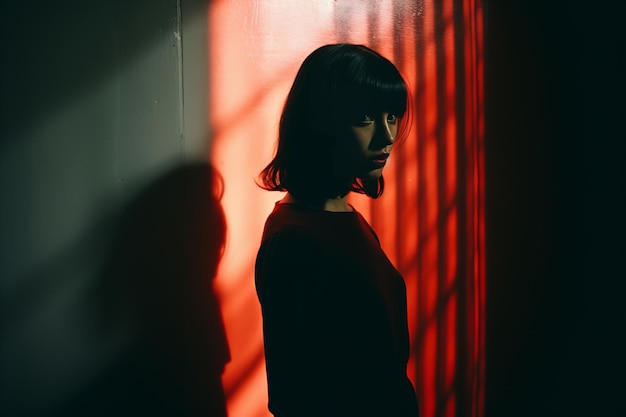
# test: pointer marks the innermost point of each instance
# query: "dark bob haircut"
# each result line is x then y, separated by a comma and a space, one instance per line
334, 86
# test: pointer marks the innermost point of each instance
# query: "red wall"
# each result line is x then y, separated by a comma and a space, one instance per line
430, 219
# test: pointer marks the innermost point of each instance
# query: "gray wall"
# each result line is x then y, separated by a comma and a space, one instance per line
98, 99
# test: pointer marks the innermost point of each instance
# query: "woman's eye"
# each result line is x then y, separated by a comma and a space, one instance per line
366, 119
363, 120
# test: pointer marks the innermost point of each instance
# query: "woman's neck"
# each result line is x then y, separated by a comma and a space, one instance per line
337, 204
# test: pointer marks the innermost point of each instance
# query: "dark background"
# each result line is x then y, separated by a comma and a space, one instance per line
554, 149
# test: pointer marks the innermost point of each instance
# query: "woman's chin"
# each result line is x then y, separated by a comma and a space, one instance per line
372, 175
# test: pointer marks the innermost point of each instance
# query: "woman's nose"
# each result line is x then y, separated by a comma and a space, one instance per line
386, 131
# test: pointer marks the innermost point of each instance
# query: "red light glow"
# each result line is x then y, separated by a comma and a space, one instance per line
430, 220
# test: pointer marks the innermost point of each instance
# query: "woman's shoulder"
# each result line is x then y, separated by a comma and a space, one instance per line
295, 219
299, 221
288, 245
286, 221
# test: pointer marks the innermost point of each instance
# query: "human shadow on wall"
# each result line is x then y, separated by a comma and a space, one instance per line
158, 287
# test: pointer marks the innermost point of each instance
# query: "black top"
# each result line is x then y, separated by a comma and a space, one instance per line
334, 317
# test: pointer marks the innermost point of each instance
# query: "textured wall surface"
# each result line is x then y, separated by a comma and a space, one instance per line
92, 113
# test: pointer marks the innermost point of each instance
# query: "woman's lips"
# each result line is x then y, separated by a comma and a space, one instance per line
381, 160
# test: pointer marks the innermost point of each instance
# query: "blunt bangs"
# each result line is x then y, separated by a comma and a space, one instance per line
362, 81
378, 92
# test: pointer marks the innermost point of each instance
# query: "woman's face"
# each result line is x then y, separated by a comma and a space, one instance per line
362, 149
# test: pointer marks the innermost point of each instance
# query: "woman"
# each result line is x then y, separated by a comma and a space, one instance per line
334, 307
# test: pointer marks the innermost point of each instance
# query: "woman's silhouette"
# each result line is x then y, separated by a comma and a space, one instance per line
334, 307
